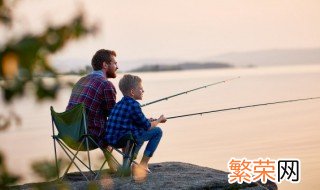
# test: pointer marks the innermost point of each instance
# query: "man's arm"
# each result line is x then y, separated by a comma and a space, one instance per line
110, 94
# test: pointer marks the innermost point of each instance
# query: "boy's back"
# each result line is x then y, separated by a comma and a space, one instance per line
126, 117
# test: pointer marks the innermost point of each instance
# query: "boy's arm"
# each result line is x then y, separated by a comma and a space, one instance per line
139, 119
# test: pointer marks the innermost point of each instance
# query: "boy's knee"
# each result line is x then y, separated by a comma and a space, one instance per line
159, 131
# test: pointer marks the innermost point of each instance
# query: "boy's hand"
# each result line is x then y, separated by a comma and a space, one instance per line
162, 119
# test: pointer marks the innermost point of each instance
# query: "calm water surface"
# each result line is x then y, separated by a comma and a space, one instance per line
278, 131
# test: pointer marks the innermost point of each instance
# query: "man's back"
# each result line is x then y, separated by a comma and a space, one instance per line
99, 97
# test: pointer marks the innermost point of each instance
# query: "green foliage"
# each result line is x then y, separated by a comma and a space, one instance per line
93, 186
26, 60
5, 122
86, 70
47, 169
24, 63
5, 13
6, 178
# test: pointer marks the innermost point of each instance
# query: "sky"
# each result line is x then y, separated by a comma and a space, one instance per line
145, 31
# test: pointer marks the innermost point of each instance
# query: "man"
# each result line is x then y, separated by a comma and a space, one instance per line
97, 93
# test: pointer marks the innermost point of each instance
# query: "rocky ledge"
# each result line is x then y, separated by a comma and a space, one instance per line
166, 175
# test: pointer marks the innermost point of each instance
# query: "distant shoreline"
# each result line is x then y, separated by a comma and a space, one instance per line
181, 66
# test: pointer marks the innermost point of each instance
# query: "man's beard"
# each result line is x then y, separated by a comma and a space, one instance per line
111, 74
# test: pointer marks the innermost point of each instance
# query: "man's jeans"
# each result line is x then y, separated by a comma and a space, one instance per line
153, 136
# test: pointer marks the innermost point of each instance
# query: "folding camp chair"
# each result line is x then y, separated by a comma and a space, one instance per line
73, 137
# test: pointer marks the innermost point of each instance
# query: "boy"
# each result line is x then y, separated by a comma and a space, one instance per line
127, 117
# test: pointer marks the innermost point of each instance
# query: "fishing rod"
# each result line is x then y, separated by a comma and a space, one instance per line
186, 92
242, 107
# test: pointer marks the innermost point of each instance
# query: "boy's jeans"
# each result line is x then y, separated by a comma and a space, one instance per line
153, 136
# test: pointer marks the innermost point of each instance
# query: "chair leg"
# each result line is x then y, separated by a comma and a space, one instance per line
105, 161
66, 148
108, 157
88, 152
55, 155
72, 161
127, 159
121, 153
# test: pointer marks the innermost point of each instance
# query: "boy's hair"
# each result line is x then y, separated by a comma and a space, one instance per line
128, 82
102, 55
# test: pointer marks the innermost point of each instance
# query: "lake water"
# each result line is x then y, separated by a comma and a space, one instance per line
279, 131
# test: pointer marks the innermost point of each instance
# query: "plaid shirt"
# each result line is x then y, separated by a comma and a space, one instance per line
99, 96
126, 117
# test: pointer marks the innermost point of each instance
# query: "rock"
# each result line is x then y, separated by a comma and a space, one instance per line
167, 175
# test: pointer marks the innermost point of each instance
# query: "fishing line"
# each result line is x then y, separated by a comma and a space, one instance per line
186, 92
242, 107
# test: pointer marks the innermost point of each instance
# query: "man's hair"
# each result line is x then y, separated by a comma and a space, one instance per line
128, 82
101, 56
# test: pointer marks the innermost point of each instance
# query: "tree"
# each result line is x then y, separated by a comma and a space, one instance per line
24, 62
